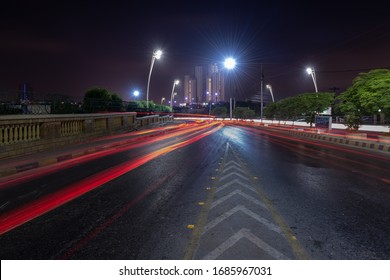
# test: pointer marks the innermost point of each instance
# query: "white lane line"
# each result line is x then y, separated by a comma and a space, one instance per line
235, 181
233, 173
244, 233
232, 162
242, 208
226, 197
233, 167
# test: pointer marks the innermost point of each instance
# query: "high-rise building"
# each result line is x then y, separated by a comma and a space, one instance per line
215, 84
189, 89
199, 84
202, 87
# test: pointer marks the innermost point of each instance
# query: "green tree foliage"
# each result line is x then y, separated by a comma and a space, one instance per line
140, 106
219, 111
305, 105
272, 111
116, 103
311, 104
243, 113
368, 95
101, 100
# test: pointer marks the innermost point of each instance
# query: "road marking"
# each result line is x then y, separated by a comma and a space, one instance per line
232, 162
298, 250
232, 167
244, 233
235, 181
226, 197
232, 174
202, 219
242, 208
204, 227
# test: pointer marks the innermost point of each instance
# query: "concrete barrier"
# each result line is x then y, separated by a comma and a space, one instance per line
353, 142
25, 134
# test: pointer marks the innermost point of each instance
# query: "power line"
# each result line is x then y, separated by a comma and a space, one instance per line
350, 70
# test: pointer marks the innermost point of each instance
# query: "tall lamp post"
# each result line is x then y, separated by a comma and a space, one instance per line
229, 64
156, 55
311, 72
176, 82
270, 90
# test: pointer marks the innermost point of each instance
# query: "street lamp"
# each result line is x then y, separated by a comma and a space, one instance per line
156, 55
229, 63
311, 72
176, 82
162, 99
270, 90
136, 93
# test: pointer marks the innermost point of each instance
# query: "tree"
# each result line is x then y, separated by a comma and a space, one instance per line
312, 104
96, 100
116, 103
101, 100
306, 105
244, 113
368, 95
272, 110
219, 111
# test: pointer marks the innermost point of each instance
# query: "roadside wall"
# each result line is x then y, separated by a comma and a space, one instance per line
24, 134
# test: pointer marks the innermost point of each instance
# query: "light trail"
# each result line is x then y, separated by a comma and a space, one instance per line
330, 158
113, 218
115, 147
315, 143
45, 204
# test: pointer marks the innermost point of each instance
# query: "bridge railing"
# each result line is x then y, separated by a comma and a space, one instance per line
21, 134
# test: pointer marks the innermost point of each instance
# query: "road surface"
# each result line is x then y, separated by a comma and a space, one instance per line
201, 190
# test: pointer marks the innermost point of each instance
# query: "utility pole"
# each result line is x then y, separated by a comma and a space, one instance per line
261, 93
231, 108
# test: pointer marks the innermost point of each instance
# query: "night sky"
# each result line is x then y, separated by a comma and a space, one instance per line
67, 48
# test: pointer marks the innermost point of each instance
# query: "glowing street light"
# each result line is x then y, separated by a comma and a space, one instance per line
156, 55
270, 90
176, 82
229, 63
136, 93
311, 72
162, 100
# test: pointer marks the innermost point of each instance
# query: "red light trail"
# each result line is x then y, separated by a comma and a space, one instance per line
332, 158
29, 211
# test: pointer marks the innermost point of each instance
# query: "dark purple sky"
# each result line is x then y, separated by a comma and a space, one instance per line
67, 48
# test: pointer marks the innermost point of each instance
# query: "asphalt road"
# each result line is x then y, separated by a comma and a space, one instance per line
202, 191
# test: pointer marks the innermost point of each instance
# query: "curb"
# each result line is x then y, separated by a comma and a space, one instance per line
44, 162
356, 143
364, 145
